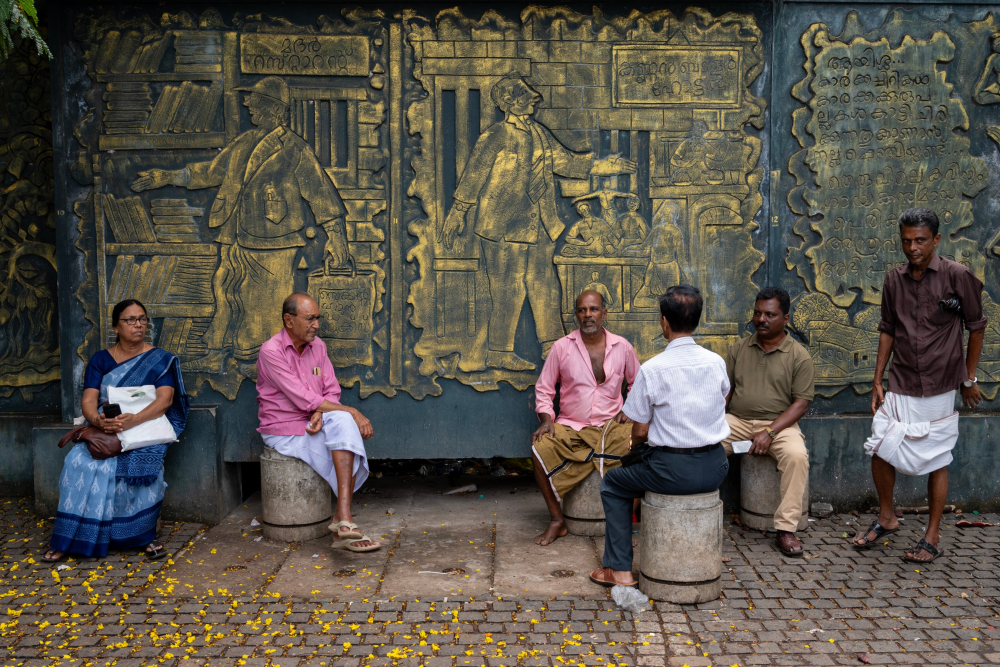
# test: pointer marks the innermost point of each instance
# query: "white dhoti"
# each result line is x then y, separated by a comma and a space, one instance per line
914, 434
339, 432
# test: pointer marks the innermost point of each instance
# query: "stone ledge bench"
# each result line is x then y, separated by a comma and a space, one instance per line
296, 500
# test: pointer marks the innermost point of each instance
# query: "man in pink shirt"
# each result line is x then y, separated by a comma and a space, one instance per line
590, 432
301, 415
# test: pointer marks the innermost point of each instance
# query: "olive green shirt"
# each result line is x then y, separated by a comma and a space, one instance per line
764, 385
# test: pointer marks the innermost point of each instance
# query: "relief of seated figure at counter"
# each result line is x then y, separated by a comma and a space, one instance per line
629, 237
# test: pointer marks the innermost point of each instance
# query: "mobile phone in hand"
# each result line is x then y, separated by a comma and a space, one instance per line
112, 410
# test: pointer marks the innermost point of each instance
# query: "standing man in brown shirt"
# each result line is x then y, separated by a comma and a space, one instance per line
771, 376
924, 304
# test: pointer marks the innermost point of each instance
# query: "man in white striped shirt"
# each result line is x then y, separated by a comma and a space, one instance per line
678, 404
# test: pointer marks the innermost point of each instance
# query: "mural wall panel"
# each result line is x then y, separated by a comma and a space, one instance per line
235, 158
891, 117
445, 181
29, 341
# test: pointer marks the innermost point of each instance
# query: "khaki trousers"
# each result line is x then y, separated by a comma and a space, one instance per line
789, 450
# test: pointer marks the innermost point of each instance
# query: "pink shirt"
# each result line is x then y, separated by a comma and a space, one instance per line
290, 386
583, 402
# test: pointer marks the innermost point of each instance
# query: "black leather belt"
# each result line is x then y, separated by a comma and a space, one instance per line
689, 450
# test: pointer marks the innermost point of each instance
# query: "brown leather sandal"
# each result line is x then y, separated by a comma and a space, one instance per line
605, 576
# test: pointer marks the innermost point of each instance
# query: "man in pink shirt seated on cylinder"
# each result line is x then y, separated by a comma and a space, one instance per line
301, 415
590, 432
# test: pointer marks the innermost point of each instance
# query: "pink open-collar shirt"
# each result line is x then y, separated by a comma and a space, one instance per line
290, 386
583, 402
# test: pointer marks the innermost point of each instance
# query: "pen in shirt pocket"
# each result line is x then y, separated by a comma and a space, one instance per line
317, 370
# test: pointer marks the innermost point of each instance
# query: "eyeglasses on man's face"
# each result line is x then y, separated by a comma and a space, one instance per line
132, 321
310, 318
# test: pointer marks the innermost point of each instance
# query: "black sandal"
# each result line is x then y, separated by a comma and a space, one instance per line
47, 559
158, 551
926, 546
879, 531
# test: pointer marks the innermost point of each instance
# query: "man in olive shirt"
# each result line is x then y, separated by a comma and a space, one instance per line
772, 384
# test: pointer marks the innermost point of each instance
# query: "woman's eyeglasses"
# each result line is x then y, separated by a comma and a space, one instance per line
132, 321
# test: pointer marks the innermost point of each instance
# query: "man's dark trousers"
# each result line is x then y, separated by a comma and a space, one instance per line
660, 471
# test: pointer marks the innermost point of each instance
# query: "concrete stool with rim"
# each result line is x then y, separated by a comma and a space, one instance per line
296, 501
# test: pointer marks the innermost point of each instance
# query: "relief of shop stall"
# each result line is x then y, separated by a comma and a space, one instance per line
565, 152
29, 344
236, 161
884, 128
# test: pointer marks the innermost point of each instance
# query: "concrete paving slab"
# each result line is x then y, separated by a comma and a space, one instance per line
425, 551
526, 570
315, 570
225, 559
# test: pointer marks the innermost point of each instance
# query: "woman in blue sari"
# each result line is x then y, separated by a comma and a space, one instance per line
116, 502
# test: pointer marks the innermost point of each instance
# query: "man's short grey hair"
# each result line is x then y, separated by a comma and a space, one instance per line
290, 306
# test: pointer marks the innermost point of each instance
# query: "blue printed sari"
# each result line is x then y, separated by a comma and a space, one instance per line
116, 502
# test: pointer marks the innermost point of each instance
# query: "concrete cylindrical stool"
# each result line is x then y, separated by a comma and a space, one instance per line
582, 507
760, 493
681, 547
296, 501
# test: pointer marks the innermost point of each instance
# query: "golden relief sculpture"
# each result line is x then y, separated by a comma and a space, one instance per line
29, 344
568, 152
238, 162
444, 186
987, 89
879, 134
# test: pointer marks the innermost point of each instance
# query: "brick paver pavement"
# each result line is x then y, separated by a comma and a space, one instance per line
836, 606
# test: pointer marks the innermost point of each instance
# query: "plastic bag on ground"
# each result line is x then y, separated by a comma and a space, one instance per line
630, 599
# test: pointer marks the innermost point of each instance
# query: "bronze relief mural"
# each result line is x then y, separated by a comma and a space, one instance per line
589, 153
29, 343
426, 179
236, 163
883, 129
445, 184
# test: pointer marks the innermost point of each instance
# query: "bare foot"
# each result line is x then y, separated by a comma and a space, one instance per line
53, 556
555, 530
365, 543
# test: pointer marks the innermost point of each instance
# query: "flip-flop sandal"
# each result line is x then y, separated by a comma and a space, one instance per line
879, 531
45, 557
352, 532
349, 545
612, 583
926, 546
158, 551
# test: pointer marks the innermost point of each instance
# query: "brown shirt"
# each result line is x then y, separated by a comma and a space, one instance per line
928, 357
765, 383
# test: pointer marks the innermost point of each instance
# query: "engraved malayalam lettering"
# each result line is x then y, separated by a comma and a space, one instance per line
650, 75
317, 55
883, 124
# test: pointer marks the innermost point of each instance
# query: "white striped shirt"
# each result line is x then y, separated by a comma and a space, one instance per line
681, 393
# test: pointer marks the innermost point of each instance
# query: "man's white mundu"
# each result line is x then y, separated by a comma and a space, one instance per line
914, 434
339, 432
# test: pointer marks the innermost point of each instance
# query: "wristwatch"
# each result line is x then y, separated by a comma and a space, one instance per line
970, 383
770, 432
